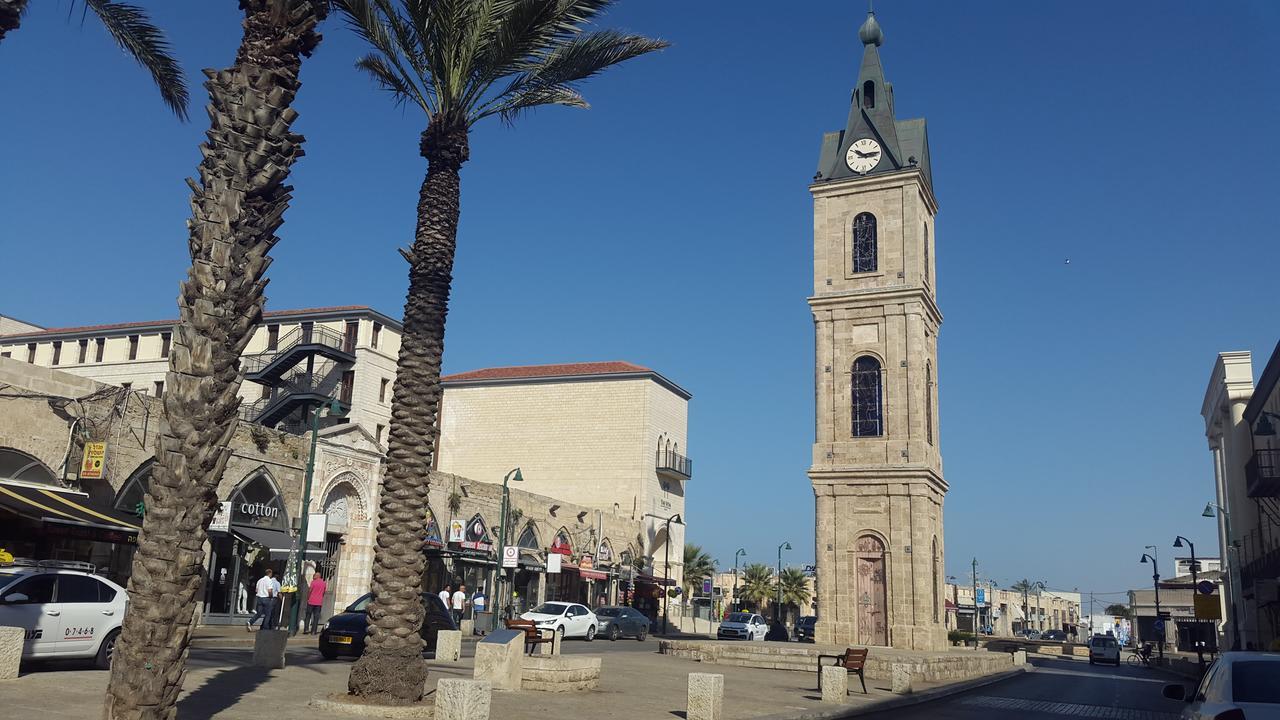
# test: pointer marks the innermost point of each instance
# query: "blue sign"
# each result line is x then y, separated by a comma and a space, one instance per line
706, 587
1205, 587
1158, 625
982, 595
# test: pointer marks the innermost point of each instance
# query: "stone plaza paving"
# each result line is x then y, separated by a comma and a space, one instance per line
636, 682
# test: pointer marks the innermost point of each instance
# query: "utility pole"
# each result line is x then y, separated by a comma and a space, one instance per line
977, 608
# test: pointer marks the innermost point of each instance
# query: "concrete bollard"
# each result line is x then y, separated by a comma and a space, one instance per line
901, 679
835, 684
1019, 657
706, 696
500, 659
468, 627
449, 645
459, 699
548, 648
11, 639
268, 648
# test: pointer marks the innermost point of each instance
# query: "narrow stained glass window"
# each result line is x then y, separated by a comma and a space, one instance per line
864, 243
867, 403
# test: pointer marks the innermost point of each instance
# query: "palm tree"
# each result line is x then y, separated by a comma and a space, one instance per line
236, 208
1026, 587
459, 61
757, 584
795, 588
134, 33
698, 566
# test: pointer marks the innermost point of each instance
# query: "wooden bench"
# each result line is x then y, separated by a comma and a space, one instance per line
853, 660
533, 637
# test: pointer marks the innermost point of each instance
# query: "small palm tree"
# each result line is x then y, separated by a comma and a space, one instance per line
795, 588
698, 566
1026, 587
459, 62
134, 33
757, 584
237, 206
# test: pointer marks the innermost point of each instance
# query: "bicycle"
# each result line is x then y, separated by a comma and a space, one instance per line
1140, 657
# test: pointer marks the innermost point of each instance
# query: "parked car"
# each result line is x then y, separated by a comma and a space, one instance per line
743, 626
804, 628
1238, 685
344, 633
63, 608
567, 619
1104, 649
1054, 635
1031, 634
617, 622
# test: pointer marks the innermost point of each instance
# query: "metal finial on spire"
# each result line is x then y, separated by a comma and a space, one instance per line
870, 32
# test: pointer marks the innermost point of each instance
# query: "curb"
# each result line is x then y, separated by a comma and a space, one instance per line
893, 703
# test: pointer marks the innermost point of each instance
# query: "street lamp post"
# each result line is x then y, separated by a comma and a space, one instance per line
736, 555
777, 606
666, 563
977, 609
499, 599
1195, 580
335, 410
1231, 568
1155, 581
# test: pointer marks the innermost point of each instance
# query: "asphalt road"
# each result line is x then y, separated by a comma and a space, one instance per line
1056, 689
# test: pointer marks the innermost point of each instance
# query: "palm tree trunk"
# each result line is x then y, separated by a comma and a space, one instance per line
236, 209
391, 670
11, 15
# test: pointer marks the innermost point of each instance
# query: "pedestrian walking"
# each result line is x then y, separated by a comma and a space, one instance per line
446, 596
315, 599
459, 604
264, 606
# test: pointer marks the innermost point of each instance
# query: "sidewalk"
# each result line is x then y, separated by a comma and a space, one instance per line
221, 684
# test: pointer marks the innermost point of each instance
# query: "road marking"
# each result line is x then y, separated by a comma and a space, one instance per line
1069, 709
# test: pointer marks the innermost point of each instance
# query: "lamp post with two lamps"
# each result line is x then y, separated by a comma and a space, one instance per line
777, 607
1195, 581
1231, 563
500, 600
741, 552
1155, 581
335, 411
666, 563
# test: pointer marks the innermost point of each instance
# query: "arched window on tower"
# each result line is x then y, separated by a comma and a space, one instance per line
864, 243
926, 253
868, 94
928, 400
867, 401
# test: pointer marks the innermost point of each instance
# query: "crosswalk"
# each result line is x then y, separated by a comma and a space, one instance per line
1060, 708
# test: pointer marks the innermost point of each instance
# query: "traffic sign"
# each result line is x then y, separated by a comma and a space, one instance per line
510, 556
1158, 625
1204, 587
706, 586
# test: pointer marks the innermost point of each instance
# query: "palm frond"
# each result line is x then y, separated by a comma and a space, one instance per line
395, 38
134, 33
391, 81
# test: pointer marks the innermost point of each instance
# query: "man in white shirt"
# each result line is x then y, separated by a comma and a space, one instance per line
446, 596
459, 604
267, 590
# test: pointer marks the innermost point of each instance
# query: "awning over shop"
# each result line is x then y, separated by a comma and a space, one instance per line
275, 542
69, 513
593, 574
642, 578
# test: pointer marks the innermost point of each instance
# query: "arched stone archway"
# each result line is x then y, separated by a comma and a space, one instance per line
24, 467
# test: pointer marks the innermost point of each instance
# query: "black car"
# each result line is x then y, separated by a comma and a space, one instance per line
616, 622
344, 633
804, 628
1054, 635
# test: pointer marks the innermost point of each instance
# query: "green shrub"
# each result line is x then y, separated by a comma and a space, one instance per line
959, 636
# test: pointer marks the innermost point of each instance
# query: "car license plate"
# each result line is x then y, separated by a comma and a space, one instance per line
339, 639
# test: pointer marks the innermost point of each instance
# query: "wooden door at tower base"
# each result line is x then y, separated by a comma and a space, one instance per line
873, 623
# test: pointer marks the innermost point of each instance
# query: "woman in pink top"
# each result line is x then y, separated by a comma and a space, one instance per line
315, 598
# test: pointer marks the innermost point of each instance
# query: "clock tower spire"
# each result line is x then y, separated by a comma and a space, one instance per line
877, 466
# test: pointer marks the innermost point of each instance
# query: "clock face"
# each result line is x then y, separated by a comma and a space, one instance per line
863, 155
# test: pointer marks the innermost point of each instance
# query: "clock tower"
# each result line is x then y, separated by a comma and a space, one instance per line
877, 471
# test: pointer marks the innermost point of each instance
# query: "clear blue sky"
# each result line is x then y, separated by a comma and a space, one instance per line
670, 226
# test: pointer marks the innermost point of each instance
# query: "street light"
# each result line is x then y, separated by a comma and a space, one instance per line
1231, 567
1195, 580
1265, 428
499, 599
336, 411
741, 552
666, 562
1155, 581
777, 607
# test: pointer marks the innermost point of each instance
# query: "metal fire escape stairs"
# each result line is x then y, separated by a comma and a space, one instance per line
304, 371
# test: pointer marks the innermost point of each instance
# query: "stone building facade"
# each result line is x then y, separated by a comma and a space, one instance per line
876, 469
608, 436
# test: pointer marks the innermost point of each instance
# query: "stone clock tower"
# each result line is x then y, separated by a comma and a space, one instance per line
877, 471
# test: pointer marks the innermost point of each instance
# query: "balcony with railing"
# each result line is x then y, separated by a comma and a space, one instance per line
1262, 474
673, 465
300, 389
303, 342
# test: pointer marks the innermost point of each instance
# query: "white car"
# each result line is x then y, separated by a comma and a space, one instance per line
567, 619
1104, 649
1239, 685
64, 609
743, 626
